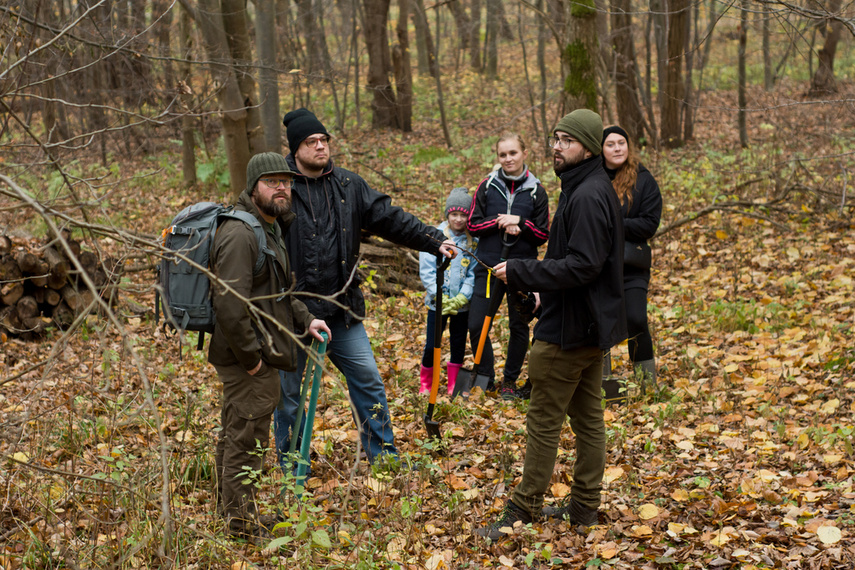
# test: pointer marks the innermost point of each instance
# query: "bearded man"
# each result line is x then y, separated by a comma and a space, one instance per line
249, 352
580, 281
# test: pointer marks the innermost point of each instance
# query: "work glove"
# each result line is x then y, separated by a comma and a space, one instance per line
451, 306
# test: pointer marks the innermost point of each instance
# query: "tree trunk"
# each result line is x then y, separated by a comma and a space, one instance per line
541, 67
823, 81
743, 40
265, 40
188, 127
672, 85
578, 58
383, 105
491, 47
403, 71
309, 25
474, 31
237, 32
626, 87
424, 41
234, 114
768, 70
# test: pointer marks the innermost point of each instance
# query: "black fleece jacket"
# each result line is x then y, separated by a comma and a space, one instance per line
581, 277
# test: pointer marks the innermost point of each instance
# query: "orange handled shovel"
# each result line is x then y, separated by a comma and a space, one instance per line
431, 425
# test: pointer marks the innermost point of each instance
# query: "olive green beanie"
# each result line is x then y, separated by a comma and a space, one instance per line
586, 126
265, 163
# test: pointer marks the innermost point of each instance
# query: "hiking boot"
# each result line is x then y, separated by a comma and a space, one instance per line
505, 523
524, 393
508, 391
254, 534
574, 513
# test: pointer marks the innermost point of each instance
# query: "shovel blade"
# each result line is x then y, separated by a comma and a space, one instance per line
481, 381
432, 427
463, 385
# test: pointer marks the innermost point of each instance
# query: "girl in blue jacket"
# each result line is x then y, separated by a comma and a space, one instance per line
457, 288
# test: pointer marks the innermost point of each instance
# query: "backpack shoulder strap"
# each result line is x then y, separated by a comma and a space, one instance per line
260, 236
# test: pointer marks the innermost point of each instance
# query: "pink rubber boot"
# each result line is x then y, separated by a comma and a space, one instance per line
426, 376
453, 369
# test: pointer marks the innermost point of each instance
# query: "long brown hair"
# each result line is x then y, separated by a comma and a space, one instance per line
626, 176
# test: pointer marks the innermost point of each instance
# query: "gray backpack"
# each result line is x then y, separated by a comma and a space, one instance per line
184, 294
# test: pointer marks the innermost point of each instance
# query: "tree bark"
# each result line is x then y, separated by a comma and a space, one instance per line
579, 57
672, 83
188, 126
823, 81
491, 42
626, 86
383, 104
403, 71
424, 40
234, 113
237, 31
743, 40
265, 41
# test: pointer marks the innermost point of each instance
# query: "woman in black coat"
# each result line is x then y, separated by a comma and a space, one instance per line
641, 204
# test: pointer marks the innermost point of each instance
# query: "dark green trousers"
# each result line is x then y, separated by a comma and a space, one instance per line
563, 383
247, 407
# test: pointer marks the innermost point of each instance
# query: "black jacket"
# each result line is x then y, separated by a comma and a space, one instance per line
640, 221
528, 200
355, 207
581, 275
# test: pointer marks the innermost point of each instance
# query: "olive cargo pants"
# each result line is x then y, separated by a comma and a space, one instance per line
247, 406
563, 383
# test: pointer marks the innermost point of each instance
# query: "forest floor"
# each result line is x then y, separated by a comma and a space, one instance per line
742, 459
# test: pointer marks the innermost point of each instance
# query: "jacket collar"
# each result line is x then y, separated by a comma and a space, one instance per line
571, 178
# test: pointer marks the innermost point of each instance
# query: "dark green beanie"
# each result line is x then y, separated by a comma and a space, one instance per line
265, 163
586, 126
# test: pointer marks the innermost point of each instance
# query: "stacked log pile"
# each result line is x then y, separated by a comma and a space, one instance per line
40, 287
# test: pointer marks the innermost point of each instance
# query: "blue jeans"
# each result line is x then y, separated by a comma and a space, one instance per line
350, 351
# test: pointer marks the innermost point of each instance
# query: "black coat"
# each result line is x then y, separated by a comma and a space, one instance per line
528, 200
640, 222
581, 277
356, 207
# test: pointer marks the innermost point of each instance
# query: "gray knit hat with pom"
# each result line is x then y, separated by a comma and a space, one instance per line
458, 201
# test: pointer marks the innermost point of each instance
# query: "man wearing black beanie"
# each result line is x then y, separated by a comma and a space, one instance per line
580, 281
332, 207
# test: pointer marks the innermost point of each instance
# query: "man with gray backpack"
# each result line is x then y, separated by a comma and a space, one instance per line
252, 339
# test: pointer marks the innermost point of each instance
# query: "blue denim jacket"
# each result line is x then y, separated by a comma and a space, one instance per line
460, 275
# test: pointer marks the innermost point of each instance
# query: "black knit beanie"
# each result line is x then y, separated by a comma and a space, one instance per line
586, 126
301, 124
458, 201
614, 130
265, 163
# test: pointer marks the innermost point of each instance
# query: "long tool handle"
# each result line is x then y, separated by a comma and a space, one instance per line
317, 373
441, 264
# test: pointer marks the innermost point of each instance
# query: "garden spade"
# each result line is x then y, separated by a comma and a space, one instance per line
431, 425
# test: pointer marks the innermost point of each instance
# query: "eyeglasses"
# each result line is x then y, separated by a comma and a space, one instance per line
562, 142
277, 182
313, 141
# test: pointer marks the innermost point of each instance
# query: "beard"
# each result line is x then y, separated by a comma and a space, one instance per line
273, 206
562, 164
